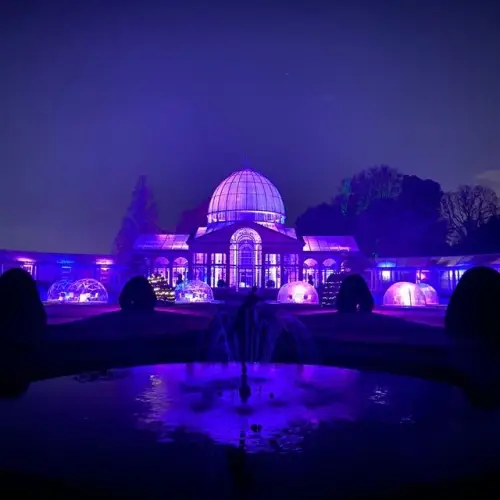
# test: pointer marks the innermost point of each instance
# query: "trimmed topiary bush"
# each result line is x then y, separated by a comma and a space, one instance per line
137, 295
473, 312
354, 295
22, 316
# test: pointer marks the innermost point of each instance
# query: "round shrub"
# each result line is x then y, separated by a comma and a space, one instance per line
354, 295
473, 312
137, 295
22, 316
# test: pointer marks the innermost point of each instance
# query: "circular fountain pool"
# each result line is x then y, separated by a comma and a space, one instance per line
175, 425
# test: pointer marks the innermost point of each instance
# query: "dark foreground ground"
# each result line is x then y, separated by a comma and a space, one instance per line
409, 342
85, 338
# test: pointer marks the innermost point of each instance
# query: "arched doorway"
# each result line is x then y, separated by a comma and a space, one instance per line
161, 267
310, 272
180, 270
245, 259
329, 268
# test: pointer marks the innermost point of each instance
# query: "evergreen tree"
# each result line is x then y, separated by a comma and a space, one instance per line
141, 218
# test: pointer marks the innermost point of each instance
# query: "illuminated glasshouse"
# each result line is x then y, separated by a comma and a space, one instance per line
87, 291
193, 291
58, 291
430, 294
298, 292
404, 294
246, 243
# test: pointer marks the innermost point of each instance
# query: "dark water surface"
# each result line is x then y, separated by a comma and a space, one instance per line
306, 429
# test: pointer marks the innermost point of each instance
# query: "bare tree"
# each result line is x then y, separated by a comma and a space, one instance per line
467, 209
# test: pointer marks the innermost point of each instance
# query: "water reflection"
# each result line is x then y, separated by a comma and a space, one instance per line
286, 403
316, 425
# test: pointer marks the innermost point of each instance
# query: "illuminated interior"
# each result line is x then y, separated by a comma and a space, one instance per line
246, 195
193, 291
58, 291
404, 294
431, 296
87, 291
298, 292
245, 258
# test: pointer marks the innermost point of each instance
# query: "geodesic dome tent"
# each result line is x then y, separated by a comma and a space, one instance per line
430, 294
87, 291
298, 292
58, 291
193, 291
404, 294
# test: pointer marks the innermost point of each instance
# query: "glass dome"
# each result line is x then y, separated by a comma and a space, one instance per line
193, 291
298, 292
246, 195
87, 291
404, 294
430, 294
58, 291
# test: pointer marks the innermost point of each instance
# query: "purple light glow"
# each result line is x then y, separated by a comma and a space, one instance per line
404, 294
193, 291
24, 260
281, 396
246, 195
330, 244
431, 296
87, 291
298, 292
104, 262
58, 291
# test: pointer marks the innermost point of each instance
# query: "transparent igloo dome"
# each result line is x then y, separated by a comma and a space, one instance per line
430, 294
193, 291
58, 291
87, 291
404, 294
298, 292
246, 195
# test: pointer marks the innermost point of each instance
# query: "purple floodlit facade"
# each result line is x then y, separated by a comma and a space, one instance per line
246, 195
442, 273
245, 243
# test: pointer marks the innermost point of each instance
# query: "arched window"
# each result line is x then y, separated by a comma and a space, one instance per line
245, 258
329, 268
310, 272
161, 267
180, 270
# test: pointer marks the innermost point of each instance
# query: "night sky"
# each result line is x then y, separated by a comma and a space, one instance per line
94, 93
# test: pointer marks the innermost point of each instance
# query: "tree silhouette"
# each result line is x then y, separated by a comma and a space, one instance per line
191, 220
323, 219
388, 214
374, 183
484, 239
467, 209
141, 218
